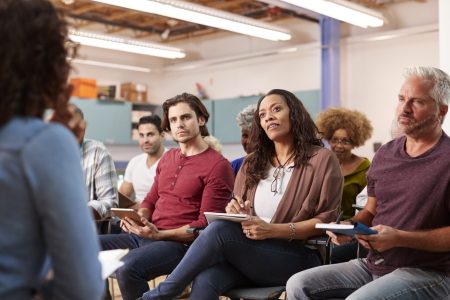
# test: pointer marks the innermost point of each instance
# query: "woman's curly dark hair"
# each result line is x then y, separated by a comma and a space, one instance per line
358, 127
33, 58
304, 131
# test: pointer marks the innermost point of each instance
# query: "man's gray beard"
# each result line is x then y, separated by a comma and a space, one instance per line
417, 128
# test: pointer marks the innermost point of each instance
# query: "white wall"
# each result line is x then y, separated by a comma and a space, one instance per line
372, 76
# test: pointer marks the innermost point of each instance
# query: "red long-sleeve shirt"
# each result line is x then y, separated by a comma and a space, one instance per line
187, 186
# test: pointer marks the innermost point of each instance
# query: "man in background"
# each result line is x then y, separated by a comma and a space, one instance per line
99, 175
244, 120
141, 169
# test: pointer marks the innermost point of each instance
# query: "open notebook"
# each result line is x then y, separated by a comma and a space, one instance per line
347, 229
212, 216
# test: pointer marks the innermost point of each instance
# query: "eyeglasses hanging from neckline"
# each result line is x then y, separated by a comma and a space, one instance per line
278, 175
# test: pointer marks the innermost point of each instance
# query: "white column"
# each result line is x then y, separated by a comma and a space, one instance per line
444, 46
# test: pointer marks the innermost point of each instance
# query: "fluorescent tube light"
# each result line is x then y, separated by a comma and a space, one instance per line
342, 10
125, 45
109, 65
200, 14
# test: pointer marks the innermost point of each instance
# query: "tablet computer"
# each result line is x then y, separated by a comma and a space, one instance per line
127, 212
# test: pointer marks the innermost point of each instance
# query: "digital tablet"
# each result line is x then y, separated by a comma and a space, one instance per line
127, 212
212, 216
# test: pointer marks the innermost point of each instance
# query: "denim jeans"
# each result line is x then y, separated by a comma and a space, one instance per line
146, 260
222, 258
353, 281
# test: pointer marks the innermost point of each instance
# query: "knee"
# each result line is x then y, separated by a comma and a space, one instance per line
203, 287
216, 227
128, 272
221, 228
296, 286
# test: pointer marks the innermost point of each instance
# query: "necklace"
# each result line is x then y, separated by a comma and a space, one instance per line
278, 175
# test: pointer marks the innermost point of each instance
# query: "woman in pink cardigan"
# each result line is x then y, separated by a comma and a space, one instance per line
288, 184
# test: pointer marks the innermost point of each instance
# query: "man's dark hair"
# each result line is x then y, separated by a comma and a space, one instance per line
304, 132
33, 64
153, 119
194, 103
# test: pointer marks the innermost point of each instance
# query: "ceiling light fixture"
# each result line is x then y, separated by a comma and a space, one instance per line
200, 14
342, 10
109, 65
125, 45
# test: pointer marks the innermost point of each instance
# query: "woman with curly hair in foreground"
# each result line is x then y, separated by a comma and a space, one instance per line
44, 215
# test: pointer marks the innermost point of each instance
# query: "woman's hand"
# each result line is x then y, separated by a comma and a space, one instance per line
256, 229
339, 239
238, 206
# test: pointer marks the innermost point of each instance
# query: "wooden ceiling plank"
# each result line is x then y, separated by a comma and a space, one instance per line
121, 15
85, 8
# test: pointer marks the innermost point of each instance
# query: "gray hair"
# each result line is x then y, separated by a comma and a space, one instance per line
245, 117
440, 91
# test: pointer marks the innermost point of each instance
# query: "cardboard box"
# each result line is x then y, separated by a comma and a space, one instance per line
134, 92
106, 91
84, 87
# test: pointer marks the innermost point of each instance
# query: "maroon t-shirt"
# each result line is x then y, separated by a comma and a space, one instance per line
413, 194
187, 186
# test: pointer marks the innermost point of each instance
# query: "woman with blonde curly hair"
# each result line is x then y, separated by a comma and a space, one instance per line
345, 130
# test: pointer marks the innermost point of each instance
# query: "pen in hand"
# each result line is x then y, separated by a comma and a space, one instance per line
241, 204
338, 219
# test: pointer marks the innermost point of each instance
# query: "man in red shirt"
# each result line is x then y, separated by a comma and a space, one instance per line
189, 180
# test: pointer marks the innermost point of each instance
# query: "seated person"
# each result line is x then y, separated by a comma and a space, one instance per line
408, 204
271, 187
345, 130
141, 169
245, 121
99, 175
189, 180
43, 215
348, 251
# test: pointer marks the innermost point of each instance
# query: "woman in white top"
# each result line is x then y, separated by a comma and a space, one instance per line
288, 184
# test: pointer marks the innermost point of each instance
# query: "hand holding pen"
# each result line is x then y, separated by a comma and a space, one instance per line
238, 206
339, 239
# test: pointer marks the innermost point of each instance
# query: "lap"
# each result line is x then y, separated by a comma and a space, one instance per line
147, 257
329, 281
406, 283
251, 257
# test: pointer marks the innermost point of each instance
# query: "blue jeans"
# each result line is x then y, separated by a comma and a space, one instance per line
353, 281
146, 260
222, 258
